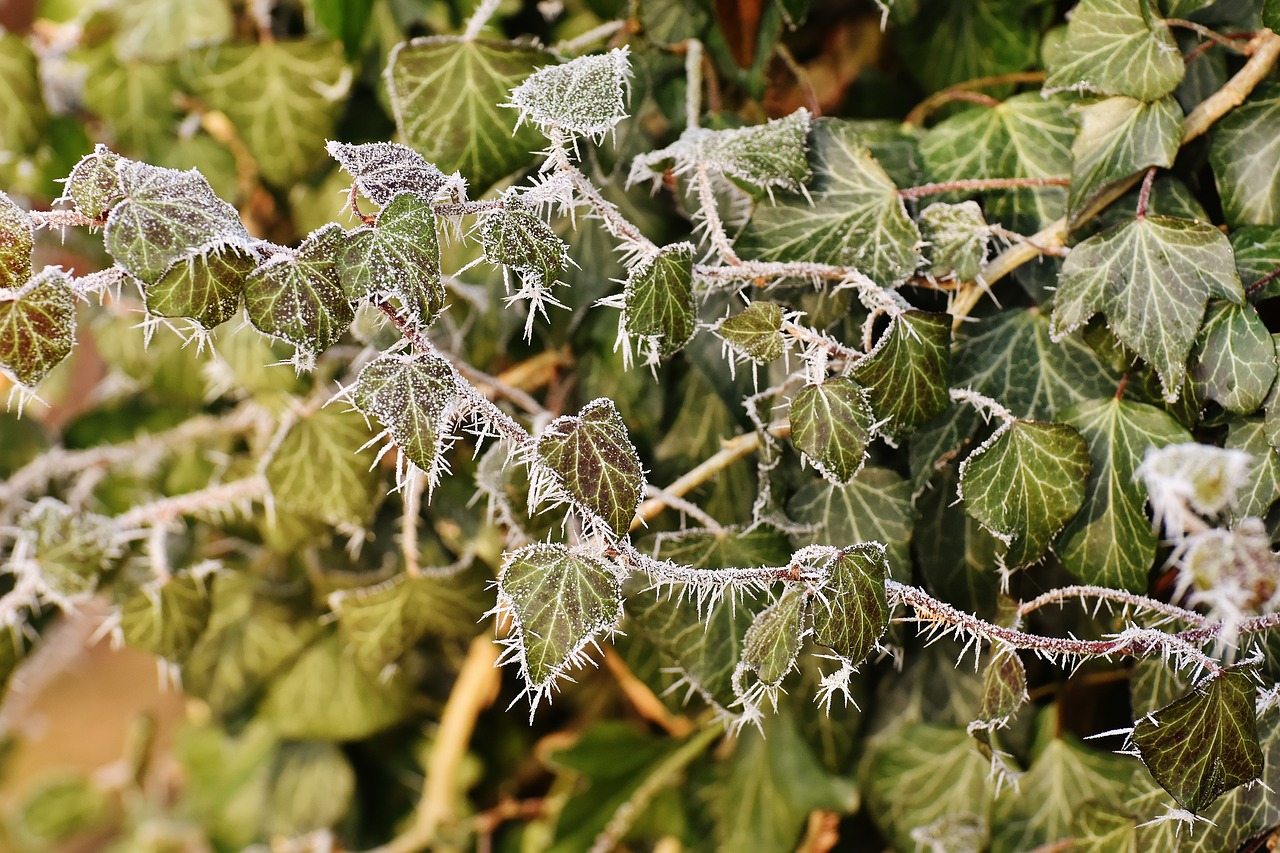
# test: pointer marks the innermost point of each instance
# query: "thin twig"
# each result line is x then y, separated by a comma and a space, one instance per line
922, 110
1144, 194
1063, 594
1204, 32
646, 703
981, 185
484, 11
221, 496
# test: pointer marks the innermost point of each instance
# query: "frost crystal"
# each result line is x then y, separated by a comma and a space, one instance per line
586, 96
1190, 480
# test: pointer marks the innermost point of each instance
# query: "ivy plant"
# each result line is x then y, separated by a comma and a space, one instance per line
883, 458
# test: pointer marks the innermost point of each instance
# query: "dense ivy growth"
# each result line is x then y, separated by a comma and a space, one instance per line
881, 427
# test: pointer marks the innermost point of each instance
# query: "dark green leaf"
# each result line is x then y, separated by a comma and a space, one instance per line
658, 299
592, 457
905, 375
1117, 47
383, 170
1205, 743
445, 93
855, 218
298, 295
95, 184
17, 239
317, 470
411, 396
37, 326
1004, 690
1246, 159
755, 332
205, 286
851, 613
517, 237
1151, 277
875, 507
772, 642
831, 425
399, 257
1262, 476
1025, 483
1257, 252
1120, 137
1111, 542
559, 603
1234, 361
958, 41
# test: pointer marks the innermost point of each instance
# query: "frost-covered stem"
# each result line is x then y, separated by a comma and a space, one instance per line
811, 336
986, 406
577, 44
710, 580
353, 200
211, 497
693, 84
614, 222
63, 218
710, 214
1204, 32
409, 522
1140, 602
1015, 237
158, 553
499, 388
1144, 194
1254, 625
452, 209
956, 92
981, 184
654, 783
1135, 643
730, 452
484, 11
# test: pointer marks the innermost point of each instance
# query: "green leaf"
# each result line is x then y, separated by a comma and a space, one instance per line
326, 695
56, 810
1151, 277
1026, 136
831, 425
383, 170
759, 545
658, 299
37, 326
921, 773
1234, 361
17, 239
1257, 253
906, 373
381, 623
1117, 47
135, 100
1111, 542
205, 285
72, 549
1206, 743
312, 786
957, 236
399, 257
958, 41
1262, 476
1245, 155
413, 398
772, 643
515, 236
1025, 483
755, 332
284, 98
166, 618
875, 507
298, 296
1120, 137
559, 602
162, 216
855, 218
585, 96
851, 613
1004, 691
592, 457
95, 185
318, 471
435, 81
957, 557
22, 110
162, 30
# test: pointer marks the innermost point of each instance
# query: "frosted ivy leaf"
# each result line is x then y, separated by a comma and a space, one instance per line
1192, 477
382, 170
298, 296
773, 155
515, 237
585, 96
658, 299
72, 550
831, 424
412, 398
94, 186
772, 643
205, 285
957, 236
17, 239
399, 256
851, 613
755, 332
37, 326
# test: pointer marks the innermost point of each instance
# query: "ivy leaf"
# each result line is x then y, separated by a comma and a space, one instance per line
517, 237
435, 81
658, 298
957, 41
831, 425
1117, 47
298, 295
855, 219
162, 30
205, 285
772, 643
592, 457
411, 396
957, 236
1026, 136
559, 602
1257, 253
312, 786
326, 695
1206, 743
37, 326
1151, 277
852, 613
1025, 483
1120, 137
384, 170
134, 99
399, 257
1261, 485
875, 507
316, 472
584, 96
23, 116
1004, 691
73, 549
906, 373
755, 332
1234, 361
162, 214
166, 618
1246, 159
95, 185
284, 98
1111, 542
17, 239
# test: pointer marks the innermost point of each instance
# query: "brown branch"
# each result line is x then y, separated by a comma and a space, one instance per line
1204, 32
643, 699
953, 93
980, 185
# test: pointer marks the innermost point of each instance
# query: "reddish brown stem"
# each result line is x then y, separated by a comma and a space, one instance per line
1144, 194
981, 184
